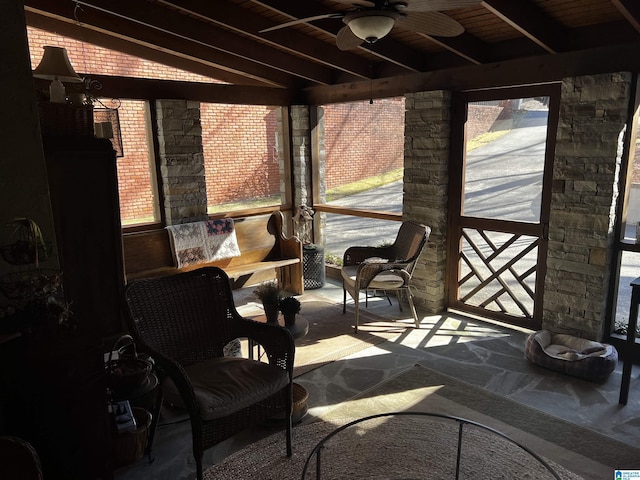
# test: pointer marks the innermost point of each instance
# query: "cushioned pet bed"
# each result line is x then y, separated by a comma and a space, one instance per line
571, 355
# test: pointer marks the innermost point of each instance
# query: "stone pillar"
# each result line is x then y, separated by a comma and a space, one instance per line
426, 180
301, 153
181, 161
589, 148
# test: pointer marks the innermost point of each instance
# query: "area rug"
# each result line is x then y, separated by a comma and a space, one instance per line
573, 451
331, 336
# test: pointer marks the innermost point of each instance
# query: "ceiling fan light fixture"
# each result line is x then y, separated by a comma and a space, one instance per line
371, 26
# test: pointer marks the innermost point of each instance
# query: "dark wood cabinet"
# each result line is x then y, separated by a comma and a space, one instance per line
83, 186
53, 388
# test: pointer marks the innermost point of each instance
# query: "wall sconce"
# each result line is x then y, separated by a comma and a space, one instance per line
55, 66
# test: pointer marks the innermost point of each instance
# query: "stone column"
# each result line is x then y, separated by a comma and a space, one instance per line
301, 153
426, 180
181, 161
589, 148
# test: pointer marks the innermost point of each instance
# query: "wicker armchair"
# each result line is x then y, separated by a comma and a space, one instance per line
19, 460
184, 321
385, 268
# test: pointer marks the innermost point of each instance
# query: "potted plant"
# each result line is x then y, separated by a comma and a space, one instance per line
290, 307
269, 294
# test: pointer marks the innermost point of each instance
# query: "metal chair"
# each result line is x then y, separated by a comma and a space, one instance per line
387, 268
183, 322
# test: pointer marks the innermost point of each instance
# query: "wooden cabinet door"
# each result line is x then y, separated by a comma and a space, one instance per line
83, 187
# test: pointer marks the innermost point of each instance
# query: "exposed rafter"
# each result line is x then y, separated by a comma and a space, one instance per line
631, 11
530, 21
223, 40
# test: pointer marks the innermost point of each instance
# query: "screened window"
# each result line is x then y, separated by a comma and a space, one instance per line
242, 156
136, 183
364, 166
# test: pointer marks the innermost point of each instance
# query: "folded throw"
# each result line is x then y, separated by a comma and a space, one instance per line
203, 242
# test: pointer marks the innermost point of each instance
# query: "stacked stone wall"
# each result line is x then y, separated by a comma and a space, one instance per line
181, 161
426, 179
589, 148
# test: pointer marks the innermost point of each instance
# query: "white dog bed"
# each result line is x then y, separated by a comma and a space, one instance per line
571, 355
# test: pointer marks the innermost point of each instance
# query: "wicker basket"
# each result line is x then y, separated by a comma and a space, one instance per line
300, 397
65, 120
129, 447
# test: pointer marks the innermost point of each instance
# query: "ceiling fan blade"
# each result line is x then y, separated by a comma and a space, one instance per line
346, 40
431, 23
302, 20
438, 5
359, 3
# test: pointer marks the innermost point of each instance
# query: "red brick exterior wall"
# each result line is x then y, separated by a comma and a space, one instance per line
134, 173
480, 118
363, 140
240, 151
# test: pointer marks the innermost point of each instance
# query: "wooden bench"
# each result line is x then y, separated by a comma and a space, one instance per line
265, 253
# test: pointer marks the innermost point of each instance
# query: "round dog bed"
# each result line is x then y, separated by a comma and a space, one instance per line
571, 355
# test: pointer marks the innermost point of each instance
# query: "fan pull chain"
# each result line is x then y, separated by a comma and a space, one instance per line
370, 80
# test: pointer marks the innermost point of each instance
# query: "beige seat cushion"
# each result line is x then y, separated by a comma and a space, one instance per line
229, 384
382, 281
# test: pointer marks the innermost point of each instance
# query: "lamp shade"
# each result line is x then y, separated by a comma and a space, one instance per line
371, 26
55, 65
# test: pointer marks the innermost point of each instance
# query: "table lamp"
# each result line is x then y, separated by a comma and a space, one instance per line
55, 66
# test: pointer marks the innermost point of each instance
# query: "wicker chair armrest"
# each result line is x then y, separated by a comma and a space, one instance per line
166, 367
277, 342
357, 255
368, 271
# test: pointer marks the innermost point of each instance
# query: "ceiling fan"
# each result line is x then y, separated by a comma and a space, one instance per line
370, 20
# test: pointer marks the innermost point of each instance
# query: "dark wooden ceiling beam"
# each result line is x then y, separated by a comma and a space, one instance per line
193, 30
530, 21
631, 11
152, 38
149, 89
103, 40
233, 17
528, 71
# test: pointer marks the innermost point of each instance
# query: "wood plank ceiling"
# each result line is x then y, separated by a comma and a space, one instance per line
523, 41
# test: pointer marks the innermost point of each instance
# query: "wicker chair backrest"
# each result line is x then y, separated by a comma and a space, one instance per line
409, 242
188, 317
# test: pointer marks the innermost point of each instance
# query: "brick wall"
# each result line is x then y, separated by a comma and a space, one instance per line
134, 179
240, 149
362, 139
480, 118
90, 59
